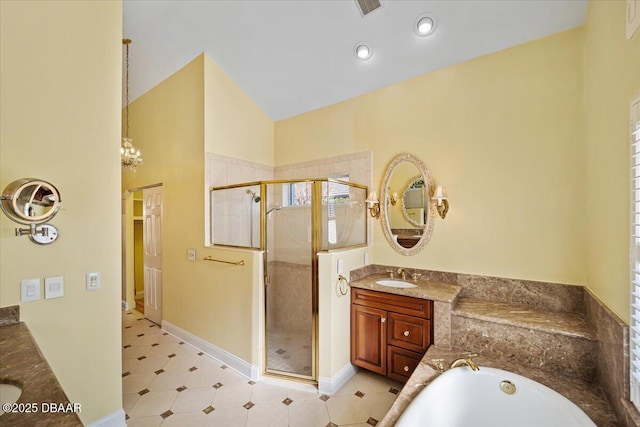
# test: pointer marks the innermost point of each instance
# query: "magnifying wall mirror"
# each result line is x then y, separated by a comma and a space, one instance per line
32, 201
407, 211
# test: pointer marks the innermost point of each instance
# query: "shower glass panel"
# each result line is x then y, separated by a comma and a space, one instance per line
344, 220
291, 221
289, 335
235, 216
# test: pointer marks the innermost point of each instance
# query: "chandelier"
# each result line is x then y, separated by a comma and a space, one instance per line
129, 154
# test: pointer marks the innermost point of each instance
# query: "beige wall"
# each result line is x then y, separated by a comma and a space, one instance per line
503, 132
170, 124
612, 80
60, 80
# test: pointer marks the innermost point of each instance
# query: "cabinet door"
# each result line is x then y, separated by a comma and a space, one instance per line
368, 338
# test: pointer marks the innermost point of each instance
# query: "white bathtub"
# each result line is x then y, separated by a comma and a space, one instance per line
462, 397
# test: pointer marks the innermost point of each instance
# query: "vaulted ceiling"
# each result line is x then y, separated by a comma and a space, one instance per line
293, 56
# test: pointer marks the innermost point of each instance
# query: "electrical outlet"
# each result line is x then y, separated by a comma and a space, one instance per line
53, 287
30, 290
191, 254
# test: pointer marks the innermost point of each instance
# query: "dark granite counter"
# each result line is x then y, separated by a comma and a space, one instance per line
588, 396
21, 363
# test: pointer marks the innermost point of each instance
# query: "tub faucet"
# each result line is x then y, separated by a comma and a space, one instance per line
402, 273
470, 363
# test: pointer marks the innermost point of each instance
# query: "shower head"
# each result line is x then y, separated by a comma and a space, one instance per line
253, 196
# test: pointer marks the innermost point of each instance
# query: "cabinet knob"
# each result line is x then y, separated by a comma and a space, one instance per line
406, 369
384, 319
406, 333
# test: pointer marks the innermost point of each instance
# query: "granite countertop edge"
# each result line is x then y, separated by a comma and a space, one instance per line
22, 363
425, 289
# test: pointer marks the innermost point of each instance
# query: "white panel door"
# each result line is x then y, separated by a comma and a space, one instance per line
152, 212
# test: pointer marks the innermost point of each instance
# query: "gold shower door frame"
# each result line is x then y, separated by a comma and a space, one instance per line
316, 236
316, 248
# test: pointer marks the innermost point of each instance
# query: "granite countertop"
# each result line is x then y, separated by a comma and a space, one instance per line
587, 396
22, 363
436, 291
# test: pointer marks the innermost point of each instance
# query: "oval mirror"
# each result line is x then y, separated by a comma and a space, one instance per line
30, 201
406, 209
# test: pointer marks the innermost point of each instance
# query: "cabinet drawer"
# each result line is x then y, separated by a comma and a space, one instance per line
409, 332
401, 363
394, 303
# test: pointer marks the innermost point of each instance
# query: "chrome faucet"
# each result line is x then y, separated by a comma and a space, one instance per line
470, 363
403, 273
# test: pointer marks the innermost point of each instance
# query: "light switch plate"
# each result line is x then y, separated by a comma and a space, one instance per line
93, 281
191, 254
30, 290
340, 266
53, 287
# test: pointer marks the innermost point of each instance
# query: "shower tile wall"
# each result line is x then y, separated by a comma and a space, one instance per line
289, 318
222, 170
359, 168
290, 289
357, 165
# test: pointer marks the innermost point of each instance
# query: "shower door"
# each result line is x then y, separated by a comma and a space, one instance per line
290, 290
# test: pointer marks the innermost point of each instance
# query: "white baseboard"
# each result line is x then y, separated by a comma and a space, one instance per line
116, 419
241, 366
330, 386
125, 306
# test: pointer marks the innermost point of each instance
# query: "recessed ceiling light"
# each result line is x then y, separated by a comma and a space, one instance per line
362, 51
425, 24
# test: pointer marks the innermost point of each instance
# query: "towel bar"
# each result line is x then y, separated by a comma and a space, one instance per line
241, 262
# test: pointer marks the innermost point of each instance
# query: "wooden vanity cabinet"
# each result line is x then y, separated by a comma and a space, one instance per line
389, 333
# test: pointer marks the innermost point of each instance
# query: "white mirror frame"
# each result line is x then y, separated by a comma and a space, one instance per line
384, 218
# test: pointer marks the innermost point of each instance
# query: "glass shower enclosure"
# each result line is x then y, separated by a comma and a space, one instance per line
291, 221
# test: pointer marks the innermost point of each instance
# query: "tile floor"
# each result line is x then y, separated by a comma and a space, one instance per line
289, 352
169, 383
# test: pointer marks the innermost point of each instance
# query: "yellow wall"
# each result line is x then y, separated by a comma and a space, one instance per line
612, 80
502, 132
335, 311
234, 125
170, 124
60, 80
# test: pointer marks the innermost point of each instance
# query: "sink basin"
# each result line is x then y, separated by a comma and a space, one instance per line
395, 284
9, 393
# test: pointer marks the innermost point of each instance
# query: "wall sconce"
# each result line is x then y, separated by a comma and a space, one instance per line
373, 204
394, 198
443, 201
